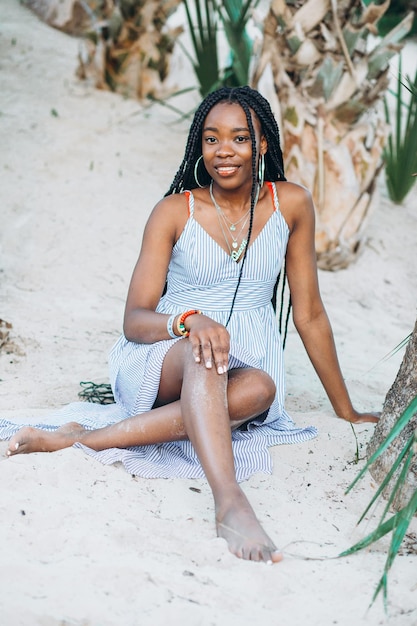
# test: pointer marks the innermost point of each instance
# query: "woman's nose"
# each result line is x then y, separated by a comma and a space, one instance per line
224, 148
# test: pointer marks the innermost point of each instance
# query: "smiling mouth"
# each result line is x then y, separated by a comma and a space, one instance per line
224, 170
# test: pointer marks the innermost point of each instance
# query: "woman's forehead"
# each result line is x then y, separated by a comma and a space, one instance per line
230, 113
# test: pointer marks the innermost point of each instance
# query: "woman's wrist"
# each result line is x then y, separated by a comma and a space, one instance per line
180, 323
176, 323
171, 325
346, 413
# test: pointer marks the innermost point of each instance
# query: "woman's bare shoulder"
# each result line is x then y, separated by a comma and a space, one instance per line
175, 203
295, 202
170, 213
289, 191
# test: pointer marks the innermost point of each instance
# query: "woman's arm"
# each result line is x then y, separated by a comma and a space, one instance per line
164, 226
310, 317
210, 341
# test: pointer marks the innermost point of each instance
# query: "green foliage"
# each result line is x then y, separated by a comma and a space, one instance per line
203, 24
394, 14
235, 15
204, 18
400, 154
398, 523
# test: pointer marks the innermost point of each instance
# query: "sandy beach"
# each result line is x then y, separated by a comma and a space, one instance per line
84, 544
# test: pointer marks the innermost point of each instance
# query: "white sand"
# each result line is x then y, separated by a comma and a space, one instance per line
83, 544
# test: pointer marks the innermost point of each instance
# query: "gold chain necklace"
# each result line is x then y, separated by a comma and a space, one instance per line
236, 253
232, 225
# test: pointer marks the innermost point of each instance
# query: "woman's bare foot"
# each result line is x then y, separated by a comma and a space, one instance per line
239, 526
29, 439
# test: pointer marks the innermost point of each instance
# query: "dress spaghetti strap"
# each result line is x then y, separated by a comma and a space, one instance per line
274, 194
190, 199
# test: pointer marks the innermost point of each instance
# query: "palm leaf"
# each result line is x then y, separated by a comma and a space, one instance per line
386, 49
409, 451
400, 521
234, 16
398, 524
202, 23
386, 480
400, 153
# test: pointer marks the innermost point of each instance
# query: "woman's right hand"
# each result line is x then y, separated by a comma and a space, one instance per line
210, 342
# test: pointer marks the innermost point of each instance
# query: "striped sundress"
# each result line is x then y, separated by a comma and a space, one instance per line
202, 275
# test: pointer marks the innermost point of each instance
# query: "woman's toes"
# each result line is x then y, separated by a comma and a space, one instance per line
13, 449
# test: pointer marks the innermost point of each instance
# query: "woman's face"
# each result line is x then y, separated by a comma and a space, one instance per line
227, 146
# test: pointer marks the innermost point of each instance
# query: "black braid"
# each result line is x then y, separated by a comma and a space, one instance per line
249, 99
246, 109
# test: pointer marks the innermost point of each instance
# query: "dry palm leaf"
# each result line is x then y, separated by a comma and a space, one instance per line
127, 45
129, 52
5, 328
327, 88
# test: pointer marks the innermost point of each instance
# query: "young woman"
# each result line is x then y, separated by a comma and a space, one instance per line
201, 355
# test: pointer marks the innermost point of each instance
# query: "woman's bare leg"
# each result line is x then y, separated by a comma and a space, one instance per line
159, 425
208, 405
208, 428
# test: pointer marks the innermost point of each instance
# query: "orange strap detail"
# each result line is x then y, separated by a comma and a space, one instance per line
187, 195
271, 190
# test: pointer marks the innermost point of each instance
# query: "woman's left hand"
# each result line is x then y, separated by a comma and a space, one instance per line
361, 418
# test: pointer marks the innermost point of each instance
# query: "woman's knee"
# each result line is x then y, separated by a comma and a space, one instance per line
251, 390
264, 388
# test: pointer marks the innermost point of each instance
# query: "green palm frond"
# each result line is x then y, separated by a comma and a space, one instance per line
400, 153
390, 354
398, 525
204, 18
235, 15
386, 482
202, 23
400, 521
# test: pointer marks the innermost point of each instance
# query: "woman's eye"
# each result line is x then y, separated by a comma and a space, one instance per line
210, 139
242, 139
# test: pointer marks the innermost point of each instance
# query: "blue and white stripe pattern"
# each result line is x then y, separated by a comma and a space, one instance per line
202, 275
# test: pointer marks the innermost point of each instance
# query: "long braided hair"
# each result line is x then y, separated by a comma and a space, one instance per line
250, 100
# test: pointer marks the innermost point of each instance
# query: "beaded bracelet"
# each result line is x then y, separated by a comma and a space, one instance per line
170, 326
180, 322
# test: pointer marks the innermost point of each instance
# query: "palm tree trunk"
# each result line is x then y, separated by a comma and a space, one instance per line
402, 392
327, 87
127, 44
